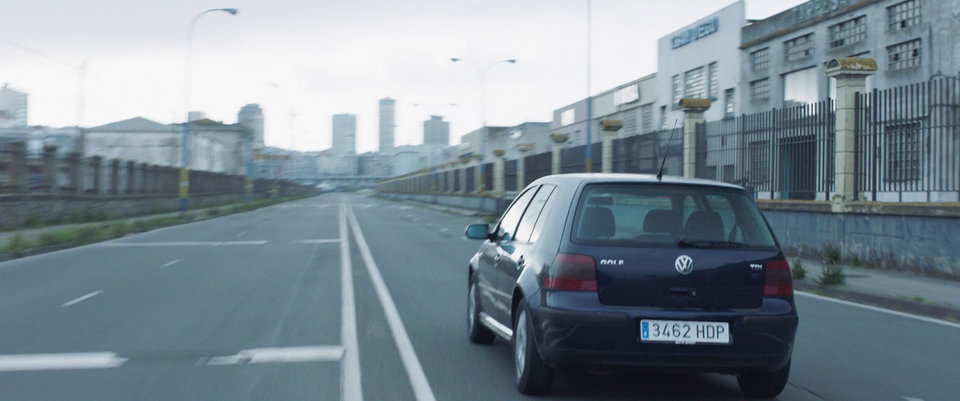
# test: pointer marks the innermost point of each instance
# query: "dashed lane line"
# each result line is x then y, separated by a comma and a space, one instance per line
351, 388
81, 299
87, 360
178, 244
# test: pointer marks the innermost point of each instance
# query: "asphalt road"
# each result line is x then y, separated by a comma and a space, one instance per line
265, 305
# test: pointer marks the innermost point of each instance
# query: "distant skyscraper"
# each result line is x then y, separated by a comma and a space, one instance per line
13, 108
387, 124
251, 116
345, 134
436, 131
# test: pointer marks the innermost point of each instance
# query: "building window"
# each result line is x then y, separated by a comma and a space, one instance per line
904, 55
646, 118
799, 48
801, 88
901, 142
903, 15
760, 89
694, 84
759, 162
728, 102
677, 90
760, 59
848, 32
713, 91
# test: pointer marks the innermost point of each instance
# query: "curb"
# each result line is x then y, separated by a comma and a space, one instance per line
933, 311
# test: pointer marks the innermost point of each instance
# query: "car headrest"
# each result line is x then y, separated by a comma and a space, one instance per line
704, 226
597, 222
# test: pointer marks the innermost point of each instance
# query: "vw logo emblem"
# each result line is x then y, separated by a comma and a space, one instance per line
683, 264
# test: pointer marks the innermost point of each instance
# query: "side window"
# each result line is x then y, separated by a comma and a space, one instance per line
532, 216
508, 223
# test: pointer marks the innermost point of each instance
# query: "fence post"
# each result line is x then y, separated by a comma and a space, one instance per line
692, 115
851, 74
114, 176
559, 140
463, 173
498, 171
610, 128
479, 183
50, 168
522, 165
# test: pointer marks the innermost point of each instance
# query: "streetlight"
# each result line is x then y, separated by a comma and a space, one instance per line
185, 158
483, 106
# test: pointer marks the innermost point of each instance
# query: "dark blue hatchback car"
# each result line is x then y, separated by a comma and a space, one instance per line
607, 271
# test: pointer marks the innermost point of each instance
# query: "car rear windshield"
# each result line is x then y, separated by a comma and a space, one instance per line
663, 215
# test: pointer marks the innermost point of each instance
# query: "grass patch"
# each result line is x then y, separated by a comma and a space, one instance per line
832, 275
91, 233
919, 299
798, 272
831, 254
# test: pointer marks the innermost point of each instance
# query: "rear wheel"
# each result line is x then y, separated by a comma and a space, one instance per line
478, 333
533, 376
764, 384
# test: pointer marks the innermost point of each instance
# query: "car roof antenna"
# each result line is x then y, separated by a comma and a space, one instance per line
664, 160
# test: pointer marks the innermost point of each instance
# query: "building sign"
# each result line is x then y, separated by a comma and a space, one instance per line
700, 31
816, 8
626, 95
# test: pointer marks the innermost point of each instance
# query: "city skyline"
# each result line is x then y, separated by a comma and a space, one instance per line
274, 55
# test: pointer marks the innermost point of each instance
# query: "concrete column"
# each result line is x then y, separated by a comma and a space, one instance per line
75, 171
523, 148
18, 171
51, 166
479, 182
499, 179
610, 128
463, 174
851, 74
559, 141
131, 168
692, 115
115, 177
96, 165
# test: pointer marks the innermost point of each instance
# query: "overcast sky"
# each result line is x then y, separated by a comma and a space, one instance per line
305, 60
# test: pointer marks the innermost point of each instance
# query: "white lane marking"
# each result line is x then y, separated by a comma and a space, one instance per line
443, 230
321, 206
912, 399
179, 243
81, 299
240, 234
171, 263
316, 241
351, 388
418, 379
279, 355
878, 309
87, 360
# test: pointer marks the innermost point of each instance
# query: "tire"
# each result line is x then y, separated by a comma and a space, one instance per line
476, 331
533, 376
764, 384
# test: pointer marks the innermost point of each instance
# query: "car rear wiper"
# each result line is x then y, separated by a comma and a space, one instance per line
687, 243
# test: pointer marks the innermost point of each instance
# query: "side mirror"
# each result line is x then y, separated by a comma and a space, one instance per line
478, 231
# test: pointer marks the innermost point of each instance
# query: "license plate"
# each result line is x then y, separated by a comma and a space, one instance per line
684, 332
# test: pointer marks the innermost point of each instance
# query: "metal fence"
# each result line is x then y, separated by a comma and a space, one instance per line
779, 154
536, 166
907, 142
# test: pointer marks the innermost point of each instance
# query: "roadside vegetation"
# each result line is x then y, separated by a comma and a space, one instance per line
68, 237
832, 273
799, 273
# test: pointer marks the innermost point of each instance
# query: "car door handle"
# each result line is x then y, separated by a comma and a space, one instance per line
496, 259
521, 262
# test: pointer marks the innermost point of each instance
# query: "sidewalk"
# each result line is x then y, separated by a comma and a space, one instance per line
33, 233
903, 291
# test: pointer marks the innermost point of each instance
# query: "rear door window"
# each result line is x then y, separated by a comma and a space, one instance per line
669, 216
507, 228
532, 217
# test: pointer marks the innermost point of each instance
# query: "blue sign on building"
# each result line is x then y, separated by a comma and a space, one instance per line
700, 31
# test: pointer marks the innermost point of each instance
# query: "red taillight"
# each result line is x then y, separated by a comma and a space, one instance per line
778, 282
572, 272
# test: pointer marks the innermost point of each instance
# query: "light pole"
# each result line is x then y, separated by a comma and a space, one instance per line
483, 98
588, 158
184, 153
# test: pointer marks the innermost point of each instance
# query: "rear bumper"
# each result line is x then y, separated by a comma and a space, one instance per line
600, 337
